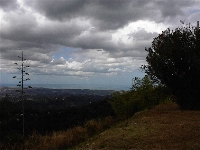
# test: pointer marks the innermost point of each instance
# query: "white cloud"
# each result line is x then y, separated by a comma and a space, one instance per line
85, 38
114, 69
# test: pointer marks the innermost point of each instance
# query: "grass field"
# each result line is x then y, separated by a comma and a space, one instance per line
164, 127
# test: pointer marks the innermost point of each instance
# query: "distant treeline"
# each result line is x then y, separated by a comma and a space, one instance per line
51, 118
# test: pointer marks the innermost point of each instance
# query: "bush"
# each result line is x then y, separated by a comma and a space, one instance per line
144, 95
174, 59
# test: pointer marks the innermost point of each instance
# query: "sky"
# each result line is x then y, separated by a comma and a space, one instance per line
98, 42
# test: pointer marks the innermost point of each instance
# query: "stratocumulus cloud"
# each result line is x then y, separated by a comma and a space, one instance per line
85, 38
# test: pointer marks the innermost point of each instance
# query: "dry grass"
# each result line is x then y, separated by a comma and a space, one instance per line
64, 139
57, 140
164, 127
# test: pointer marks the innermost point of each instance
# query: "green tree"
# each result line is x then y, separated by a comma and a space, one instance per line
144, 95
174, 60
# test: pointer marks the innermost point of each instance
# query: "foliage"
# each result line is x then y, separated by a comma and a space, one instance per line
174, 59
46, 120
52, 127
144, 95
61, 139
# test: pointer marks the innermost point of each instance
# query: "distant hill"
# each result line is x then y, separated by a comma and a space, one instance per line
164, 127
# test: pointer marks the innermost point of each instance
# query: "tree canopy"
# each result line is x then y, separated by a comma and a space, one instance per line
174, 60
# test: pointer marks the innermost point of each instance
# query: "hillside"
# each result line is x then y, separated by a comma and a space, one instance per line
164, 127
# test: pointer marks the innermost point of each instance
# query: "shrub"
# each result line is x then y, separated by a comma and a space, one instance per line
174, 60
144, 95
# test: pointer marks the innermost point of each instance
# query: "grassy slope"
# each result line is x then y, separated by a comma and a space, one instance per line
164, 127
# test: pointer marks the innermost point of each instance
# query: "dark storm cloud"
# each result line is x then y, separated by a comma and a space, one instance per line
94, 40
43, 27
111, 14
27, 29
24, 30
104, 14
172, 8
9, 5
59, 10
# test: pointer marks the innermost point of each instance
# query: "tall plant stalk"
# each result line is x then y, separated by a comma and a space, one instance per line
21, 84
